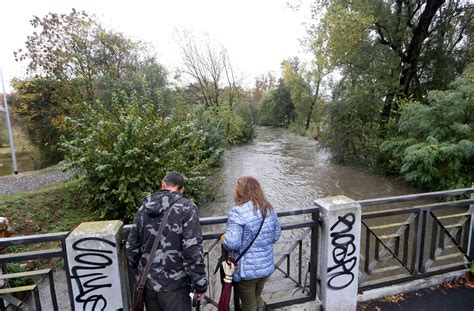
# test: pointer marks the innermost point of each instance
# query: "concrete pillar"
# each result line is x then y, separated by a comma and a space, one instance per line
339, 256
97, 266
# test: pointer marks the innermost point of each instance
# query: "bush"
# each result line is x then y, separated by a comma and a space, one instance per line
237, 129
122, 151
435, 145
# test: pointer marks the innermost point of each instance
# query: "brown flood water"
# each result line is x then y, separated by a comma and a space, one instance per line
294, 171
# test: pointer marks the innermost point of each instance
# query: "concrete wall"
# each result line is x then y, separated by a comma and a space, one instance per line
339, 256
96, 266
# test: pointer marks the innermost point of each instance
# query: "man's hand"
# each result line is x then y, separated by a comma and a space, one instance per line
200, 296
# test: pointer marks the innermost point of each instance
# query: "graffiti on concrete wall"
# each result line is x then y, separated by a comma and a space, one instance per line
89, 271
341, 275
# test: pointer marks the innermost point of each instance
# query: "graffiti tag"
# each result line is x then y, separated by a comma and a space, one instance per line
343, 253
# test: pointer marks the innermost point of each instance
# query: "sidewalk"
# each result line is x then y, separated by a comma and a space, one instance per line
456, 295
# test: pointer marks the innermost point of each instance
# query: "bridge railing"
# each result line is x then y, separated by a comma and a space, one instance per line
49, 246
401, 241
294, 280
295, 253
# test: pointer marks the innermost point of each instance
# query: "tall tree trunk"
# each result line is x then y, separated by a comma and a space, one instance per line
409, 59
420, 33
311, 108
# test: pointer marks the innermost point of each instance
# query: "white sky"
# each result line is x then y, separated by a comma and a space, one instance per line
258, 34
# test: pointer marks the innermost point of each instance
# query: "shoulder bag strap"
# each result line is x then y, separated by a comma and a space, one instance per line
141, 283
248, 247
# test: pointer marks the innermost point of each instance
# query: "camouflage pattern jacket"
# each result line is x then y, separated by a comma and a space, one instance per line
179, 258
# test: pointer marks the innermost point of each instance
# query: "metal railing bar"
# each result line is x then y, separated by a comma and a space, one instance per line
373, 264
454, 215
465, 230
298, 225
313, 265
397, 224
414, 197
287, 252
424, 217
284, 303
30, 239
285, 226
367, 252
205, 221
23, 274
390, 242
405, 244
450, 233
392, 212
434, 236
52, 290
211, 247
394, 280
405, 210
31, 255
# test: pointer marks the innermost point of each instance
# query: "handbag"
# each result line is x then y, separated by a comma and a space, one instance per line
138, 297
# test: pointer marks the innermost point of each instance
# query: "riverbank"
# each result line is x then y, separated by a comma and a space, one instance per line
51, 208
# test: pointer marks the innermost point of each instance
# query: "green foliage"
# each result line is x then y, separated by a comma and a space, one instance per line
353, 123
237, 128
383, 52
123, 150
71, 58
434, 148
276, 107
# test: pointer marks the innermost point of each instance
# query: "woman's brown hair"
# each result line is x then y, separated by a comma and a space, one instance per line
248, 189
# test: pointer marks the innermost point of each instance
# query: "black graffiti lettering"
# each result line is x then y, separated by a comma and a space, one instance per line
90, 262
343, 248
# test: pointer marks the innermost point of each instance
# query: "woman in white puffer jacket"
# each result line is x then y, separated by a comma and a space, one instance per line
244, 221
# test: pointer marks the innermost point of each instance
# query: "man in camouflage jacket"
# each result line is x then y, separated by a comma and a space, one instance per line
178, 262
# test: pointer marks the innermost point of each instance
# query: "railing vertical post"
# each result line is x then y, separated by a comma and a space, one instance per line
470, 249
340, 252
68, 277
313, 275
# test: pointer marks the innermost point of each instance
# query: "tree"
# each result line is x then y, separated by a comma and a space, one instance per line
304, 86
208, 68
276, 107
71, 58
263, 84
386, 50
75, 46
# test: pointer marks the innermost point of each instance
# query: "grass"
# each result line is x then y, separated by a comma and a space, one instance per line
54, 208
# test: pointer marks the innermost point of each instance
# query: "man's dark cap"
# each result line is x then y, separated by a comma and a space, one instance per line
175, 179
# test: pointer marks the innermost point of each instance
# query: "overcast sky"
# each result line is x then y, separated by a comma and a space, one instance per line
258, 34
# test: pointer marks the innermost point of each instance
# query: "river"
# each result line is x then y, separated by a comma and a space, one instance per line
294, 171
